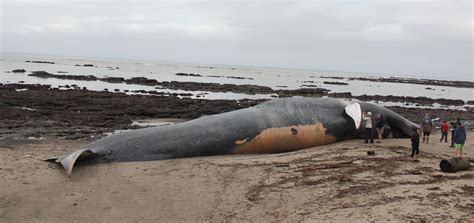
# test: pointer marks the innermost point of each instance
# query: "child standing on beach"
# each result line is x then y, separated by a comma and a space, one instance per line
444, 131
459, 140
415, 142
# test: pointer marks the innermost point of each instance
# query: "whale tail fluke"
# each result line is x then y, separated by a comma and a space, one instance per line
69, 161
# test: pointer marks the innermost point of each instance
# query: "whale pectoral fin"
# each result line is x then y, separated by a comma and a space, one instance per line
355, 112
68, 161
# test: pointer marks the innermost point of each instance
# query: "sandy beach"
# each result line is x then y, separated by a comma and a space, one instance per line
235, 111
337, 182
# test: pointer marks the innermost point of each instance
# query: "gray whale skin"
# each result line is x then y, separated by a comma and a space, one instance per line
276, 126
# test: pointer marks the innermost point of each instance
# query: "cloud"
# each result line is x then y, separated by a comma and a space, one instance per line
401, 37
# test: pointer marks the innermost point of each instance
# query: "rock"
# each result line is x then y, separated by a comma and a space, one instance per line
340, 95
433, 188
142, 81
186, 74
44, 74
309, 85
330, 77
38, 61
370, 153
19, 71
335, 83
113, 79
241, 78
466, 84
314, 92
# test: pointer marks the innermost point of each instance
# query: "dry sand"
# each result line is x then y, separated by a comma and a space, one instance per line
337, 182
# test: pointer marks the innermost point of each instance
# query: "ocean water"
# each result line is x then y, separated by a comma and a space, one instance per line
275, 78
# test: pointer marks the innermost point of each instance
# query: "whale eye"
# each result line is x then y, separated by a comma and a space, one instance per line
294, 131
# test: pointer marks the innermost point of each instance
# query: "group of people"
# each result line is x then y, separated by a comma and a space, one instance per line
458, 133
379, 126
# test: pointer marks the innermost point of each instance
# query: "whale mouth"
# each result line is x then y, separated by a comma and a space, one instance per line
355, 112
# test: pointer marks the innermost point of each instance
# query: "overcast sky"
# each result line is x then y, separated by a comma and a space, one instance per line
418, 38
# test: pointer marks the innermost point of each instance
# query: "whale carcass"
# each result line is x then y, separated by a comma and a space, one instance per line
276, 126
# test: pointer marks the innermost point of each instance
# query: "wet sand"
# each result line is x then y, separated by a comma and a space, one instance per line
337, 182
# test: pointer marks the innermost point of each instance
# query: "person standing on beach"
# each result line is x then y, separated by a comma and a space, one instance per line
379, 127
427, 126
454, 125
368, 127
459, 140
415, 142
444, 131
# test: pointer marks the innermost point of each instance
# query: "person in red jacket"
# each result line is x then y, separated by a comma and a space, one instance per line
444, 131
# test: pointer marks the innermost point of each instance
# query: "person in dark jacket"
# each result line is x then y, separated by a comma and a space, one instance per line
415, 142
459, 140
379, 126
454, 123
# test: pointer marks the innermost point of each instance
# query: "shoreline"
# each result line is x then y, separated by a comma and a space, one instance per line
51, 58
252, 89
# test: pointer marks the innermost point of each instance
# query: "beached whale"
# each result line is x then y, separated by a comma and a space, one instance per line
276, 126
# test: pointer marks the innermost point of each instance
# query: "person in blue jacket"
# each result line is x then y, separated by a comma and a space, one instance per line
459, 140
